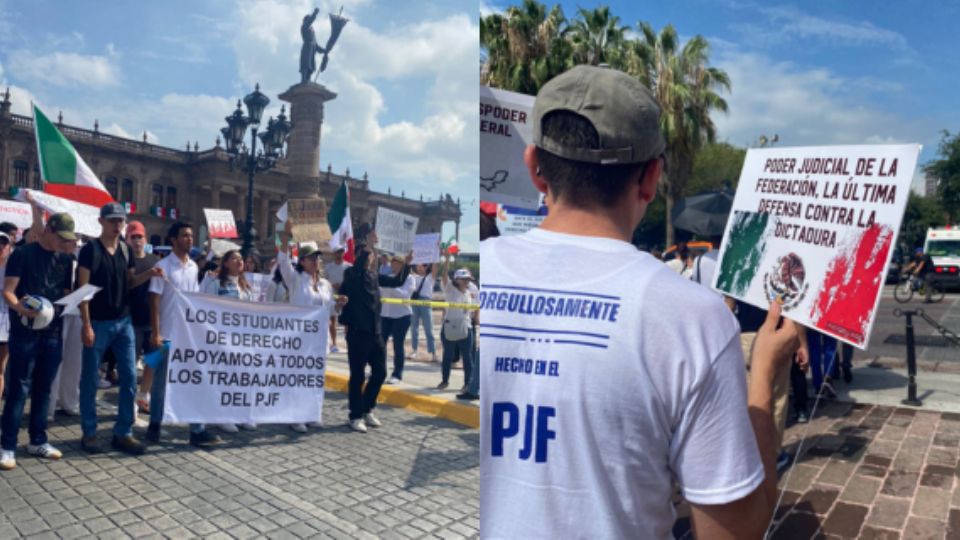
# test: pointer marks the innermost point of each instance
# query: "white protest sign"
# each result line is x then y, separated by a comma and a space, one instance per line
238, 362
258, 285
505, 132
18, 213
85, 217
74, 299
220, 223
426, 248
395, 231
815, 226
512, 220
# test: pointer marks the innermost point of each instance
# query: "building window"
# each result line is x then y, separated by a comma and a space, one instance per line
156, 196
171, 197
111, 185
37, 178
21, 174
126, 192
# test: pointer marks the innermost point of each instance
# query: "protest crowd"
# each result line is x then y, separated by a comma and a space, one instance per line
60, 350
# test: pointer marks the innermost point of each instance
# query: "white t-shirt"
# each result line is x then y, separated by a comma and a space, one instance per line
704, 267
179, 275
334, 273
606, 377
405, 291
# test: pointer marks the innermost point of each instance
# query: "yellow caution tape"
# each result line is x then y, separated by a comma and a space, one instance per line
429, 303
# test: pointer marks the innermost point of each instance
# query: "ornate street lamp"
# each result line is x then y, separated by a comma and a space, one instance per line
252, 161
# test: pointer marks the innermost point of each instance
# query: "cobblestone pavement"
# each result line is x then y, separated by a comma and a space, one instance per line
415, 477
869, 471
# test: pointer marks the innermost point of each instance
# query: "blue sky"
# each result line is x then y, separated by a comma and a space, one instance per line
820, 72
405, 73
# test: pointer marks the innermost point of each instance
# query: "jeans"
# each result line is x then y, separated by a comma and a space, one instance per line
364, 348
115, 335
396, 329
463, 348
158, 392
823, 350
424, 314
34, 360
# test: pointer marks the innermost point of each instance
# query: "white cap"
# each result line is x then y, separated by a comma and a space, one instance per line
462, 273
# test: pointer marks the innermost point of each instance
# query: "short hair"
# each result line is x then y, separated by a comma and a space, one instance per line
174, 230
9, 229
579, 183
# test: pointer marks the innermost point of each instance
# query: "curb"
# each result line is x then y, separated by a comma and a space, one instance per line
459, 413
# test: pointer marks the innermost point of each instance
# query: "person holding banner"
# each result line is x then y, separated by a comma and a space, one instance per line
106, 263
423, 290
361, 316
307, 287
611, 380
396, 317
231, 282
457, 333
180, 273
39, 269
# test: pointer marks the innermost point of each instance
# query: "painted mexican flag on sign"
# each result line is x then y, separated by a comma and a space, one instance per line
221, 223
64, 172
816, 226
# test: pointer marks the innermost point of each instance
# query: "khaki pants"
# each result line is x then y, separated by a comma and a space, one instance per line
781, 387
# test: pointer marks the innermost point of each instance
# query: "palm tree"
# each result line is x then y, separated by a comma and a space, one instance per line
524, 48
597, 36
685, 86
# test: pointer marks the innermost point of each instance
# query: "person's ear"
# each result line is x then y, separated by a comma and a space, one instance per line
649, 180
533, 167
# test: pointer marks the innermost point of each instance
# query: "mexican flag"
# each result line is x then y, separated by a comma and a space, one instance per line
63, 171
340, 225
450, 246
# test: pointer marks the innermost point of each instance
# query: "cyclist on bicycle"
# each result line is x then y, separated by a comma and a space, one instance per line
920, 267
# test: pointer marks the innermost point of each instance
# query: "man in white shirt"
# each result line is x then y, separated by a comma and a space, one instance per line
334, 271
601, 388
180, 274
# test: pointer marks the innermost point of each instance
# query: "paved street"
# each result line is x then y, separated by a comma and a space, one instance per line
416, 477
933, 352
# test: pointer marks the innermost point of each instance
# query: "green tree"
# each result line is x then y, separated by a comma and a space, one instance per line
524, 48
596, 36
922, 213
686, 88
715, 167
947, 172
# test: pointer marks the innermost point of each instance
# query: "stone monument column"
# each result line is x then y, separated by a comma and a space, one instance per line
303, 145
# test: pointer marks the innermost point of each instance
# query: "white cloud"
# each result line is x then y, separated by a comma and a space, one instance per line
64, 69
794, 23
115, 129
487, 8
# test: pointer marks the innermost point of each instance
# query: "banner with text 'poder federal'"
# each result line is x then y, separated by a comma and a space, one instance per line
816, 226
238, 362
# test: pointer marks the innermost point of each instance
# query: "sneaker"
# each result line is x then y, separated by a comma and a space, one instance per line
90, 445
783, 461
143, 405
141, 423
70, 412
370, 420
8, 460
802, 417
358, 425
103, 384
393, 380
228, 428
247, 427
45, 450
128, 445
827, 389
317, 425
442, 386
847, 375
205, 439
334, 349
299, 428
153, 433
467, 396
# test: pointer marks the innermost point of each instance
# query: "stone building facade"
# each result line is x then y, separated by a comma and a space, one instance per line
184, 182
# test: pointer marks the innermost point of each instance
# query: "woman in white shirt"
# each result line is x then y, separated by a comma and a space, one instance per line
230, 282
425, 276
457, 333
307, 287
395, 318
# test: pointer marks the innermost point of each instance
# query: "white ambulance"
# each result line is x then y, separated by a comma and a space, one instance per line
943, 246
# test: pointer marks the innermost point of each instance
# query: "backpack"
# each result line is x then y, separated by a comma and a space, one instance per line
97, 257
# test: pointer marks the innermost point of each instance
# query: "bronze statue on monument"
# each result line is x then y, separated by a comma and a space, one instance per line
310, 48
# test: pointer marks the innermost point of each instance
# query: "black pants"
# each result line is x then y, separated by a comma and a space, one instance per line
365, 348
798, 383
396, 329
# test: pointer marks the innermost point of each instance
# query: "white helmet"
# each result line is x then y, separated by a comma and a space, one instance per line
44, 309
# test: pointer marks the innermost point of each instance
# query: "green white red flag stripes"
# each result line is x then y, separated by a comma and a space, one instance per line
340, 225
63, 171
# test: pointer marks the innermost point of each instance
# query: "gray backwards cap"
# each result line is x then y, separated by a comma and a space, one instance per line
621, 109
